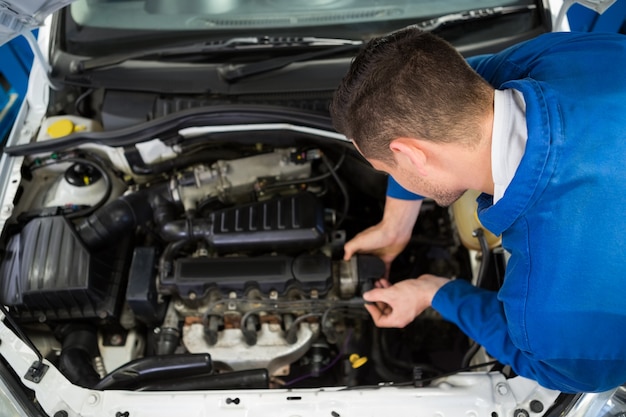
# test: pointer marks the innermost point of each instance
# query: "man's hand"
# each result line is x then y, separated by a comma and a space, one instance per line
397, 305
377, 240
389, 237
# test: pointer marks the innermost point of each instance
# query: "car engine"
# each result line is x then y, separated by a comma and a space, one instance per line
219, 265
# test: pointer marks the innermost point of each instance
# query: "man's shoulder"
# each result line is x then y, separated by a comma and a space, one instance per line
550, 54
580, 41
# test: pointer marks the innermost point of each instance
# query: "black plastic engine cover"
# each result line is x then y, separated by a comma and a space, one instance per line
49, 274
288, 224
198, 275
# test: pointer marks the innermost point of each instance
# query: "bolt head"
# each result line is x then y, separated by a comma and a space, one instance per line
536, 406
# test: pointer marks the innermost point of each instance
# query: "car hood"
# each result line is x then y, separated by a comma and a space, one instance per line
18, 17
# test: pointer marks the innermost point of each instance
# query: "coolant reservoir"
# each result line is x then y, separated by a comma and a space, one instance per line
60, 126
80, 184
465, 215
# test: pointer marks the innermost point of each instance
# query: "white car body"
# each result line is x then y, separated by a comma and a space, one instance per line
470, 394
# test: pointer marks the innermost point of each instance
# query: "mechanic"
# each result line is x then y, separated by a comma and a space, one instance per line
540, 130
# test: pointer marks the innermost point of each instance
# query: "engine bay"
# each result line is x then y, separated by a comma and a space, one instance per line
217, 264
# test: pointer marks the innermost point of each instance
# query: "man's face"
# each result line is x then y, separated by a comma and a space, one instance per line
433, 186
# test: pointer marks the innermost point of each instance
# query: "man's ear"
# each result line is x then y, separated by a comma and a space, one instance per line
410, 151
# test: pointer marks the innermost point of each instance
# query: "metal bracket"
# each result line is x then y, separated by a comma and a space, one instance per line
36, 371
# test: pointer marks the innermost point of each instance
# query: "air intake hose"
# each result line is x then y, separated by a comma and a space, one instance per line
80, 346
121, 216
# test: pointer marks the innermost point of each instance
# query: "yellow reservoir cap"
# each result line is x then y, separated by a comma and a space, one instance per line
56, 127
61, 128
357, 361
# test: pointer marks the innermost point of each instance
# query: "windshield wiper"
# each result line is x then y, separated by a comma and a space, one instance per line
241, 43
471, 15
336, 46
232, 74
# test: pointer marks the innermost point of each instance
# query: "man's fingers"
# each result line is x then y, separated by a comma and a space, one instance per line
353, 246
382, 283
384, 308
348, 251
378, 310
374, 311
381, 314
376, 301
385, 305
375, 294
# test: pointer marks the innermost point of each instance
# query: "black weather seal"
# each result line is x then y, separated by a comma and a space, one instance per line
168, 127
153, 369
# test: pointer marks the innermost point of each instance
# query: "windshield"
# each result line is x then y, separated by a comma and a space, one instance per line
104, 27
212, 15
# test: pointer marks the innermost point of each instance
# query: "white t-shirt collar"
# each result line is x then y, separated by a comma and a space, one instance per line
508, 141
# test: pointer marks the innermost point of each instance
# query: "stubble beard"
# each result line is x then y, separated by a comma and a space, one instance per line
446, 198
443, 197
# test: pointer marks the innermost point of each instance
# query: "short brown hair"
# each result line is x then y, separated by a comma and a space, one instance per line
409, 83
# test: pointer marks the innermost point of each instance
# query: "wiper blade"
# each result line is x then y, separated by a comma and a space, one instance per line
471, 15
90, 64
241, 43
232, 74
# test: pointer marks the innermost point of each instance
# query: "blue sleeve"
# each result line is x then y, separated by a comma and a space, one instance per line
395, 190
480, 315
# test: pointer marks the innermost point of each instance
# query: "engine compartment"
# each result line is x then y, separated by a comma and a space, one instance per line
218, 266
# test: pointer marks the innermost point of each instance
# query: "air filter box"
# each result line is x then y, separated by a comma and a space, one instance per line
49, 274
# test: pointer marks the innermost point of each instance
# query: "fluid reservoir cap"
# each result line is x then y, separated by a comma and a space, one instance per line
357, 361
81, 175
61, 128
